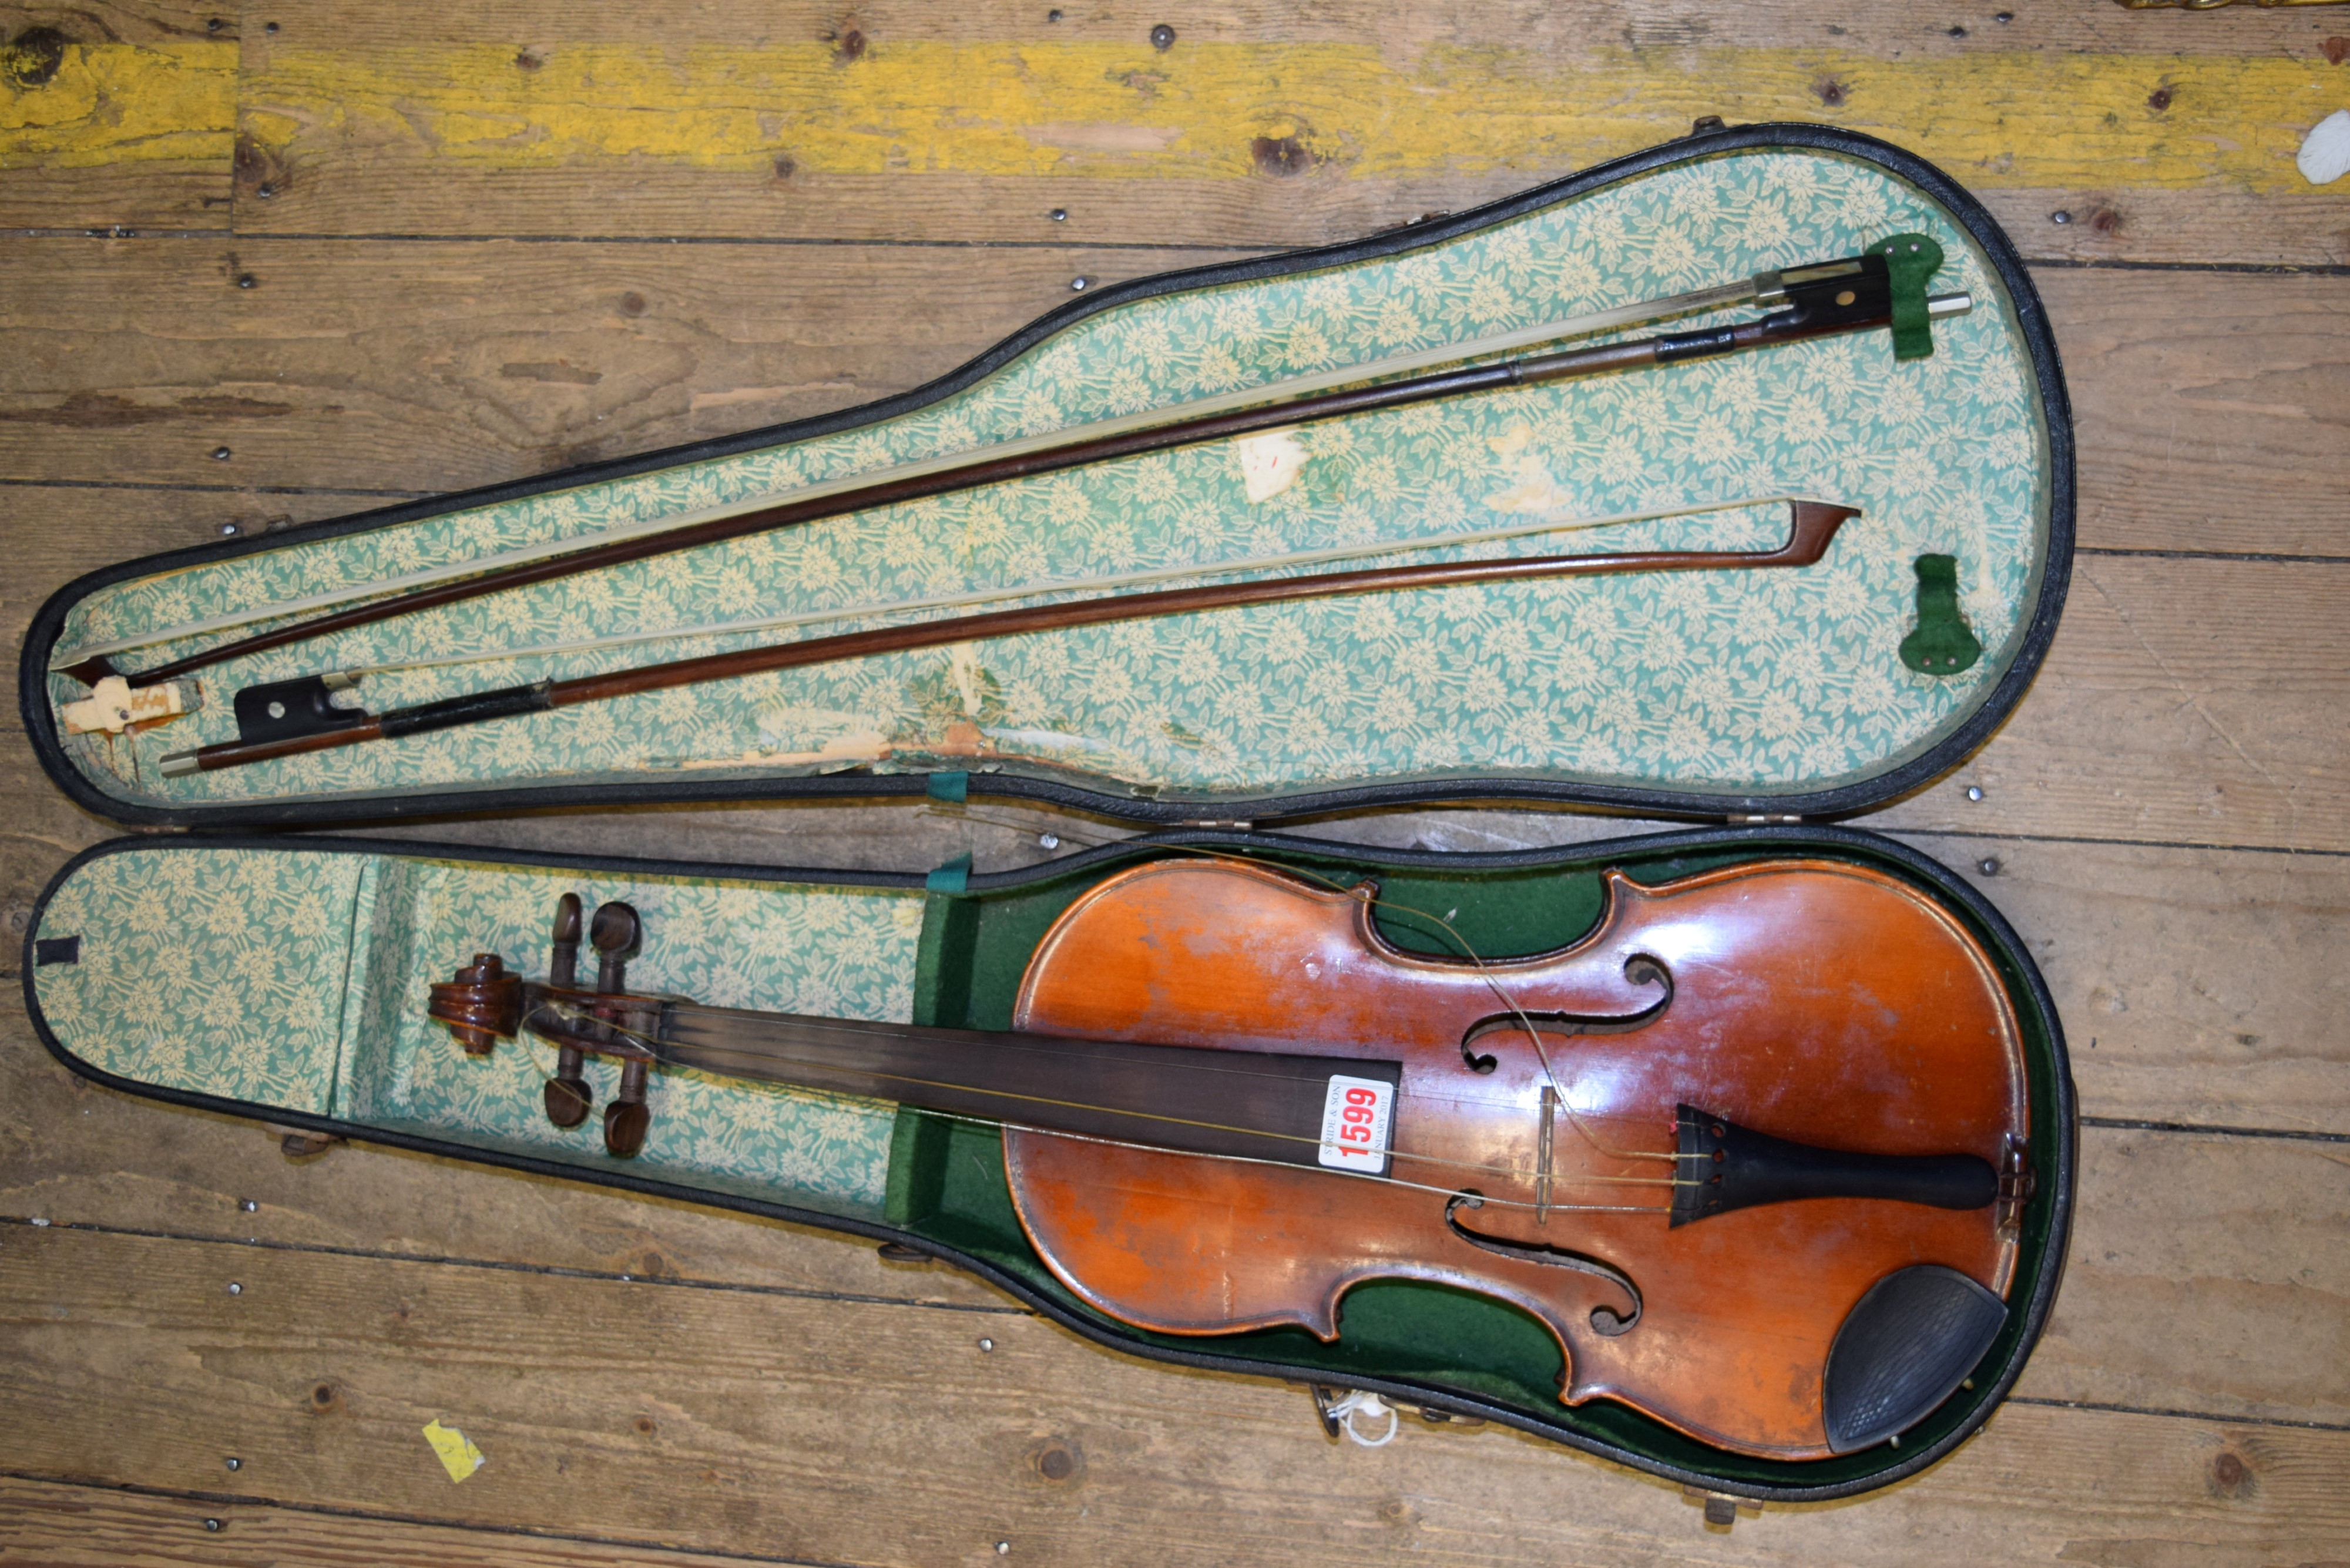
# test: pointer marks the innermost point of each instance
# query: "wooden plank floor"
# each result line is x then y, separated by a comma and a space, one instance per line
372, 252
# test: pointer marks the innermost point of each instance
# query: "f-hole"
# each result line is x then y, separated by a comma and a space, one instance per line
1639, 969
1604, 1320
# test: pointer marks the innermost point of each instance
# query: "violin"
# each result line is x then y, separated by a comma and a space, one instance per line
1753, 1150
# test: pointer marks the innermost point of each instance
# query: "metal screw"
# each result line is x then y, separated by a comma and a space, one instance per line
269, 27
1004, 1549
230, 530
2060, 216
1988, 866
1052, 15
265, 189
986, 1344
1048, 841
214, 1525
247, 1205
1079, 285
221, 454
1162, 38
236, 1464
1060, 215
1974, 792
247, 280
235, 1288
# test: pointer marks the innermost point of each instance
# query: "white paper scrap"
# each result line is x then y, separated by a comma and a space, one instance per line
2325, 151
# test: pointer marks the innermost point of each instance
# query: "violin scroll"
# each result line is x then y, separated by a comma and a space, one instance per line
480, 1004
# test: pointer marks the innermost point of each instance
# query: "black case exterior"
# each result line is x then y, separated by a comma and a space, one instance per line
2053, 1158
40, 722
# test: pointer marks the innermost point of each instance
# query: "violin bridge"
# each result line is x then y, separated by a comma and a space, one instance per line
1543, 1153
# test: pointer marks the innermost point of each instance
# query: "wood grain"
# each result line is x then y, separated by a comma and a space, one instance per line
2183, 701
74, 1153
2237, 1248
50, 1524
706, 1419
117, 113
2196, 985
434, 366
2212, 411
55, 533
1253, 126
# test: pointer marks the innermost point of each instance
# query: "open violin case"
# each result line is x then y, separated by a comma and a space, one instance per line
285, 978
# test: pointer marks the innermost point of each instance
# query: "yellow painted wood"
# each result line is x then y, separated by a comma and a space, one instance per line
1242, 111
166, 102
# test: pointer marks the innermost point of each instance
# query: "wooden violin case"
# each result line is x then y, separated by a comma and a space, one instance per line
1715, 693
285, 979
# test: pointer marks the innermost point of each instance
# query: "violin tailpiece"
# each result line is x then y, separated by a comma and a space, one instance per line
1725, 1167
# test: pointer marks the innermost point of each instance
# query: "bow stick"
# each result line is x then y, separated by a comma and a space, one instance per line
1287, 560
312, 723
1884, 287
1765, 287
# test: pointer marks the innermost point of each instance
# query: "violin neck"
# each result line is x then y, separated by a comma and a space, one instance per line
1249, 1104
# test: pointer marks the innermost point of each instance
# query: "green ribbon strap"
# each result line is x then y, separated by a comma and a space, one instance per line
1912, 260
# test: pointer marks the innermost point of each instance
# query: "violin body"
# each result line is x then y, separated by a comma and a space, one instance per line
1816, 1002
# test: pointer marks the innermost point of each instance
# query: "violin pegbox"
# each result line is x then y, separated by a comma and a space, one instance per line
486, 1002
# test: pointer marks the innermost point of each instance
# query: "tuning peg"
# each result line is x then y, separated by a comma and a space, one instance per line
614, 933
562, 965
568, 1097
628, 1118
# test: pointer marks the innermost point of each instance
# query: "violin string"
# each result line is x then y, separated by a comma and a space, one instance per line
1486, 1200
1483, 1200
661, 1050
1485, 974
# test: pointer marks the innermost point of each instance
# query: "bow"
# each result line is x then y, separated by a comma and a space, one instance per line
1884, 287
288, 718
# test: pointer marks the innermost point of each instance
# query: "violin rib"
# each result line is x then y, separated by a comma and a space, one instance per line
1821, 1004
